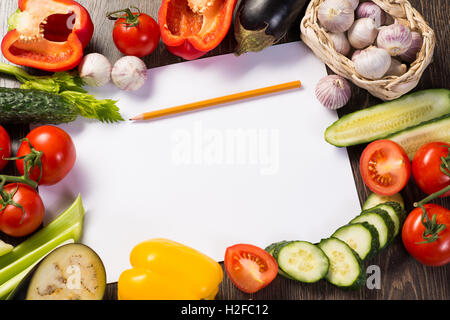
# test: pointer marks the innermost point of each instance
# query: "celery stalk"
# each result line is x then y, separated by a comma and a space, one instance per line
67, 226
5, 248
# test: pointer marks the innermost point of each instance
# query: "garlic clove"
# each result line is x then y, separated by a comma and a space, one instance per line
129, 73
336, 15
395, 38
362, 33
372, 63
340, 42
333, 92
396, 69
95, 70
416, 45
373, 11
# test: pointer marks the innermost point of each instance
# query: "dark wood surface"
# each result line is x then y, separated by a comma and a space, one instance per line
401, 276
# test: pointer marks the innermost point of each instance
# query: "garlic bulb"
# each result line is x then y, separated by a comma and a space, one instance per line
95, 70
354, 3
371, 10
355, 54
372, 63
395, 38
362, 33
336, 15
340, 42
396, 69
411, 54
129, 73
333, 92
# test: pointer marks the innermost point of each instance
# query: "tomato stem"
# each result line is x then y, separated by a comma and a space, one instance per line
132, 19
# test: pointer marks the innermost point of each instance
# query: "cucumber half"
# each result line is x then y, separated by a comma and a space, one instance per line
388, 118
375, 199
346, 270
302, 261
361, 237
381, 221
413, 138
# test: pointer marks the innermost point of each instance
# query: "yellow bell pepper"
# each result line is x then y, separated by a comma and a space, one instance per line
167, 270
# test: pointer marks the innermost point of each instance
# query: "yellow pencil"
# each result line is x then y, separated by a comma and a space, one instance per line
217, 101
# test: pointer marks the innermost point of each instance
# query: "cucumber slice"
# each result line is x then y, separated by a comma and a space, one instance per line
346, 270
361, 237
375, 199
271, 250
395, 213
381, 221
302, 261
388, 118
413, 138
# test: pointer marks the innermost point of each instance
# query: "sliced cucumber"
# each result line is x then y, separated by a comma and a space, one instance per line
375, 199
381, 221
395, 213
346, 270
361, 237
302, 261
413, 138
271, 249
388, 118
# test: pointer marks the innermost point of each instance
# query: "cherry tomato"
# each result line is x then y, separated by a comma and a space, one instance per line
436, 253
385, 167
5, 147
58, 154
426, 167
136, 40
250, 268
16, 222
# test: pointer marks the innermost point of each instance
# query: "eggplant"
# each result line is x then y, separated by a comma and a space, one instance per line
70, 272
262, 23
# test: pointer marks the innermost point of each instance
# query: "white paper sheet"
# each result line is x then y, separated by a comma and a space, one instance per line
256, 171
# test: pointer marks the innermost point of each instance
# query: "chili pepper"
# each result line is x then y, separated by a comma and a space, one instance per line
191, 29
167, 270
48, 35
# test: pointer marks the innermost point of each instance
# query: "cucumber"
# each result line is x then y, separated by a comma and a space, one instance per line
388, 118
271, 250
361, 237
346, 270
413, 138
381, 221
395, 213
302, 261
375, 199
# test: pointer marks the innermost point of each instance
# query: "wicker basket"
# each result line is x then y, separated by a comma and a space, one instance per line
389, 87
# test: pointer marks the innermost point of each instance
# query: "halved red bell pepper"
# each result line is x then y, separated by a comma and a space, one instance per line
48, 35
191, 28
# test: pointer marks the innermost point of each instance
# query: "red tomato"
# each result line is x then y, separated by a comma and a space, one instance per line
250, 268
436, 253
5, 147
58, 154
16, 222
385, 167
139, 40
426, 167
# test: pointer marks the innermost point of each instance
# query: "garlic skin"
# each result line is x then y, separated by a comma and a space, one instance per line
362, 33
129, 73
354, 3
336, 15
340, 42
333, 92
372, 63
395, 38
95, 70
411, 54
373, 11
396, 69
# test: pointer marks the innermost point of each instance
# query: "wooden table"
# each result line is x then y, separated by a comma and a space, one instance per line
401, 276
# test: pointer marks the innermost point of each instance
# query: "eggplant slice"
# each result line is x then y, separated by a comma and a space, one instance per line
70, 272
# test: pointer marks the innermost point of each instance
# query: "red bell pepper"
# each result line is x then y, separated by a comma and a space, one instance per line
191, 28
48, 35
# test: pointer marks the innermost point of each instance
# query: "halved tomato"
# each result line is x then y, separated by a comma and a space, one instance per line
385, 167
250, 268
